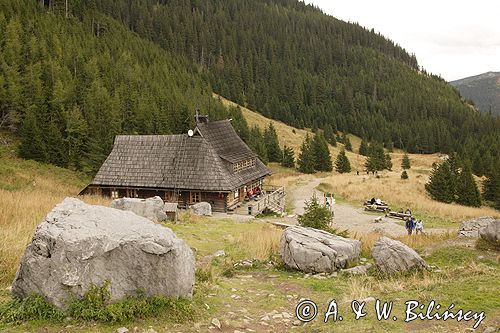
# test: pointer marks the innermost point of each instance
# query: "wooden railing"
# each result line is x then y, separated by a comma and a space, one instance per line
272, 199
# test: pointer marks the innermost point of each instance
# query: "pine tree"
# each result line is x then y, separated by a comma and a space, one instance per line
377, 160
342, 164
274, 152
316, 216
363, 148
405, 164
441, 185
257, 144
404, 175
347, 142
467, 191
288, 160
323, 160
306, 161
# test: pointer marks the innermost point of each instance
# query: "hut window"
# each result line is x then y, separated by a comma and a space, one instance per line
236, 194
195, 196
132, 193
114, 194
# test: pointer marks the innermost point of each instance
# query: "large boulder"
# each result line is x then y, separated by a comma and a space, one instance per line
150, 208
79, 246
201, 208
470, 228
491, 232
392, 256
316, 251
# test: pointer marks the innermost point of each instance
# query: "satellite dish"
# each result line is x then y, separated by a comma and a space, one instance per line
190, 133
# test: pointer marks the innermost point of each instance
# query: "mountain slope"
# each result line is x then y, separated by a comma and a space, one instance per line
291, 62
483, 90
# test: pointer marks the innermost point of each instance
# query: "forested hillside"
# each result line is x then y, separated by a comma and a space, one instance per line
71, 78
291, 62
68, 86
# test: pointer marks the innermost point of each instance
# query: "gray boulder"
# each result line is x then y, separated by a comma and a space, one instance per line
78, 246
491, 232
392, 256
150, 208
201, 208
315, 251
470, 228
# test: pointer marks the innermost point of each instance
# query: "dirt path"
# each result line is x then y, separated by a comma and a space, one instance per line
345, 216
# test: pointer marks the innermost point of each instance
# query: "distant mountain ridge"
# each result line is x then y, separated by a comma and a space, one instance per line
483, 90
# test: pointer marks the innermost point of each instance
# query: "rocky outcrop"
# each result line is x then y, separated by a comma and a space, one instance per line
491, 232
201, 208
79, 246
392, 256
470, 228
150, 208
315, 251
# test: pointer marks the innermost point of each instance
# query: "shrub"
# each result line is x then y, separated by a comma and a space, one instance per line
404, 175
316, 216
95, 306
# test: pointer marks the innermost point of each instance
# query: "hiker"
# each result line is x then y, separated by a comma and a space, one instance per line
401, 210
419, 227
357, 172
408, 211
372, 201
409, 224
378, 201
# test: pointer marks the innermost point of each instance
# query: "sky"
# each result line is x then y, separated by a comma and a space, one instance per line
454, 39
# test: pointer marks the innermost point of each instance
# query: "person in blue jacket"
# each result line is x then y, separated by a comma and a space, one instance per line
410, 225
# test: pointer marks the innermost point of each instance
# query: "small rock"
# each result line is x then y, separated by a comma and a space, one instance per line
121, 330
219, 253
287, 315
263, 323
358, 270
265, 318
363, 259
489, 329
236, 331
216, 323
150, 330
278, 316
480, 257
296, 322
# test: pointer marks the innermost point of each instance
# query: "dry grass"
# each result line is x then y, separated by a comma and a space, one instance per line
28, 191
261, 243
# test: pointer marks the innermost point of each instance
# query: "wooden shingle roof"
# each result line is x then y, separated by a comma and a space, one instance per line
200, 162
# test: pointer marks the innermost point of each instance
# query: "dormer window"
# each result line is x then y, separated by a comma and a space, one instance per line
243, 165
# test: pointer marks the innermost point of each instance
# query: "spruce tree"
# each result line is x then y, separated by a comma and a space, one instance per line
441, 185
491, 188
288, 160
322, 158
467, 191
257, 144
347, 142
405, 163
342, 164
274, 153
363, 148
306, 161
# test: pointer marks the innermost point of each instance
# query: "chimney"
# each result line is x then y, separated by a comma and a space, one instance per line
199, 118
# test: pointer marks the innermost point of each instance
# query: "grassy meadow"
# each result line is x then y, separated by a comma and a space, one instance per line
241, 296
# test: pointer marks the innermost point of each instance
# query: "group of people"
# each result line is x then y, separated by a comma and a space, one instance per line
413, 224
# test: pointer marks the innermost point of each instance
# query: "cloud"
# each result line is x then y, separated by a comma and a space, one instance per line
452, 38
